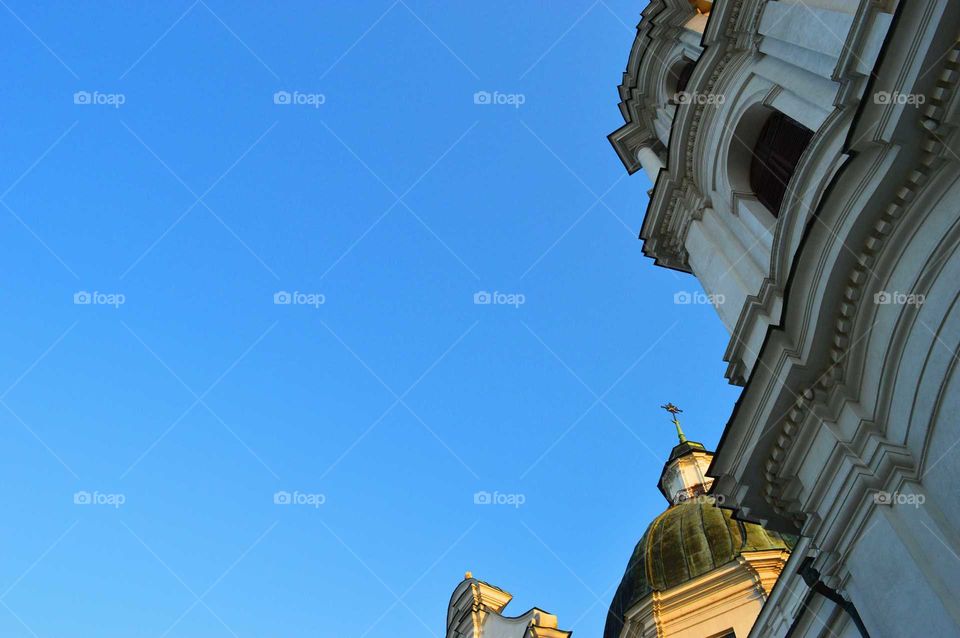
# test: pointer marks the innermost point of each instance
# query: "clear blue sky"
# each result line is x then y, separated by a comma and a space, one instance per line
397, 199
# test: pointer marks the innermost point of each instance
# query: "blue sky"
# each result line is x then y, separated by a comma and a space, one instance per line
147, 162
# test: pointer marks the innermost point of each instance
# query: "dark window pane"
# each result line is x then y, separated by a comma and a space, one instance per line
775, 156
683, 78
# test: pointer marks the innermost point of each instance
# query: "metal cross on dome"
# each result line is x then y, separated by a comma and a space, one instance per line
674, 411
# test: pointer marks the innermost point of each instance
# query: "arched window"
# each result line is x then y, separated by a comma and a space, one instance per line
683, 78
775, 155
678, 77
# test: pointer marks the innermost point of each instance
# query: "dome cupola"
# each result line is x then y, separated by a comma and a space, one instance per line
693, 545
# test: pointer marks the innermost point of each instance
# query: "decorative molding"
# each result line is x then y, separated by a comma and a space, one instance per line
657, 35
721, 592
932, 157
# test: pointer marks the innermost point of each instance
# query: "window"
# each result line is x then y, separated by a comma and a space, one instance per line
779, 147
678, 77
683, 77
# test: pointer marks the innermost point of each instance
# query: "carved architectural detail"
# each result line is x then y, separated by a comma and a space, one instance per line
856, 290
846, 394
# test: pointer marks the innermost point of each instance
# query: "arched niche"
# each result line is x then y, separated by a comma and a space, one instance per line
678, 76
764, 152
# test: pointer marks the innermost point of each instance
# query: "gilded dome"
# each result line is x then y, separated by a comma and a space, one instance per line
686, 541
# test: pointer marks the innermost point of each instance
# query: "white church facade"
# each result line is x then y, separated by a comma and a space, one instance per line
805, 157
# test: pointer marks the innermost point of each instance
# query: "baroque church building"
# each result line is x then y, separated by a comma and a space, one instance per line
805, 158
804, 155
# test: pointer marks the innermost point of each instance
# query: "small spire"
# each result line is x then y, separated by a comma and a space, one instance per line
468, 576
674, 410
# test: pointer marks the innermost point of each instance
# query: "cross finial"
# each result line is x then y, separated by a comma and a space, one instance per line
674, 410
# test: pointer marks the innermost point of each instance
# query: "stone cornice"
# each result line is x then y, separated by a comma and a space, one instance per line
731, 31
720, 591
538, 631
660, 23
766, 567
756, 465
783, 602
754, 307
749, 576
476, 609
673, 207
931, 158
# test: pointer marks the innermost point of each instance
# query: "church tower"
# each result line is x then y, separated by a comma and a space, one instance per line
696, 571
805, 163
475, 611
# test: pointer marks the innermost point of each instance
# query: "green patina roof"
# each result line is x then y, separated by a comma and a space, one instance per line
686, 541
685, 447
